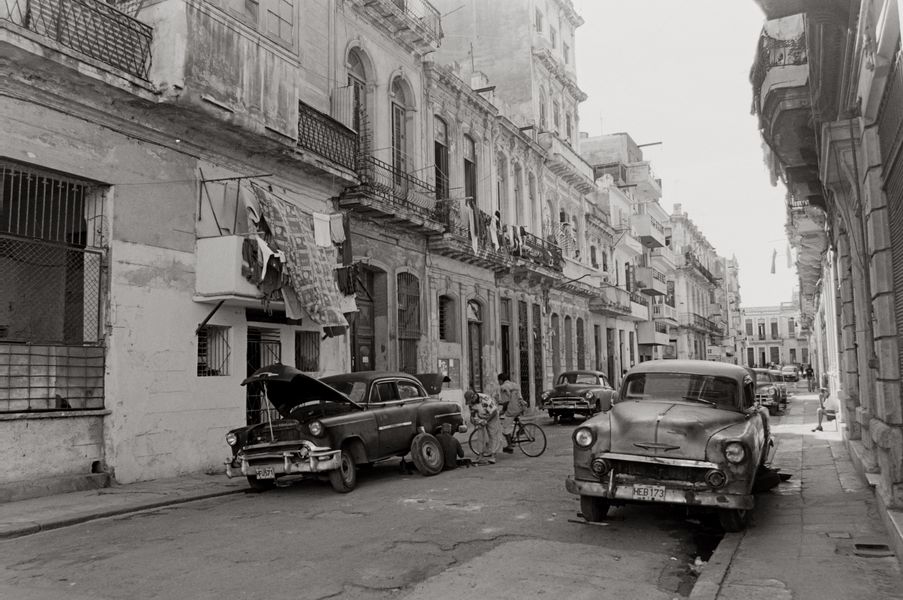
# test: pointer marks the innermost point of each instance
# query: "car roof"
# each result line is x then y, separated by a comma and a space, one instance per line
368, 376
582, 372
696, 367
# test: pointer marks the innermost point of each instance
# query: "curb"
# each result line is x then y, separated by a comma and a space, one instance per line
11, 531
708, 586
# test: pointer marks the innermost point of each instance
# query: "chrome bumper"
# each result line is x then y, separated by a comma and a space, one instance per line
306, 459
622, 492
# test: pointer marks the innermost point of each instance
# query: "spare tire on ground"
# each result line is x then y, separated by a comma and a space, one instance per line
427, 455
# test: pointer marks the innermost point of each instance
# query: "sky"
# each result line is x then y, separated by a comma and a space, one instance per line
677, 72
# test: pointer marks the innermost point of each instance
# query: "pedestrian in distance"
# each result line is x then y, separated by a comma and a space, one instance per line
810, 377
484, 412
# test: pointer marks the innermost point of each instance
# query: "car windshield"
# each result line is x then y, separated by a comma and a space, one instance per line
764, 377
579, 378
353, 389
705, 389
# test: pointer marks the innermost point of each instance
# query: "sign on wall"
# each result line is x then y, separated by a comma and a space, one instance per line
451, 368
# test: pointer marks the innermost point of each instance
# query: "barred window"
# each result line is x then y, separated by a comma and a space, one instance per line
307, 350
214, 352
447, 324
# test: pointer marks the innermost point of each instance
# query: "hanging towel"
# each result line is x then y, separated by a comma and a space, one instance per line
471, 218
337, 228
322, 235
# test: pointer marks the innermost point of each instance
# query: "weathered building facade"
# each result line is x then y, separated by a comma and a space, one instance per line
827, 86
775, 335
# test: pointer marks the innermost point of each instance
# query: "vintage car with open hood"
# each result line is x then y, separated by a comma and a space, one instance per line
326, 427
578, 393
680, 431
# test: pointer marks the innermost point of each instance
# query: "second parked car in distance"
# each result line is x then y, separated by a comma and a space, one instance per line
579, 392
791, 372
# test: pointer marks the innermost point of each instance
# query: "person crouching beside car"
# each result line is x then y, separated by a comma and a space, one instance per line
484, 413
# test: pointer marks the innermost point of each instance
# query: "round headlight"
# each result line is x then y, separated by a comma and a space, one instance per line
316, 428
231, 439
600, 467
715, 478
588, 395
584, 437
545, 395
734, 452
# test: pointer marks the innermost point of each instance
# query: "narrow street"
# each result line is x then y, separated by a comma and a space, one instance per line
504, 531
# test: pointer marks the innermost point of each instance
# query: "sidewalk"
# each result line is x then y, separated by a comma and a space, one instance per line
25, 517
817, 536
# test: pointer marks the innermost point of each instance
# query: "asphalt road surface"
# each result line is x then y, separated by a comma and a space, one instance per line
508, 530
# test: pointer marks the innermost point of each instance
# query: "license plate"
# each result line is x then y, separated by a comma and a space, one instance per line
654, 493
266, 473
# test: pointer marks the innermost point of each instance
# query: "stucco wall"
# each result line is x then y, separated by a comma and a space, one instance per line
46, 445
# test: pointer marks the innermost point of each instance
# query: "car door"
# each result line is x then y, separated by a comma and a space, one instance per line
394, 421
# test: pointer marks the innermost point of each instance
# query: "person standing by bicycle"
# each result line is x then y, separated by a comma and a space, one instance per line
512, 404
484, 412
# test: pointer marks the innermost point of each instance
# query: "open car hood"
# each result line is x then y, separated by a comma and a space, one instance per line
288, 388
432, 382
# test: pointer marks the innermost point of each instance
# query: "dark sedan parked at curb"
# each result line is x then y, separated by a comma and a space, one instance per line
578, 393
329, 426
680, 431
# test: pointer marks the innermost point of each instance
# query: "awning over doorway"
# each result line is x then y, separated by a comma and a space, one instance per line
309, 268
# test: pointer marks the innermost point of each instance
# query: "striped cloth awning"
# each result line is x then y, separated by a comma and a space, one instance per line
309, 268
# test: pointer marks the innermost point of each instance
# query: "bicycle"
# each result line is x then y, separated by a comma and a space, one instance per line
529, 437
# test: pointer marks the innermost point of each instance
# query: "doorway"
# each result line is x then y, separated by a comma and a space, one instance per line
263, 348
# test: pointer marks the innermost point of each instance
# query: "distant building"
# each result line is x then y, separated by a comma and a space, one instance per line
775, 334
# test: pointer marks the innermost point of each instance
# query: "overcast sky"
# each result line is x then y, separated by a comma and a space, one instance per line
677, 72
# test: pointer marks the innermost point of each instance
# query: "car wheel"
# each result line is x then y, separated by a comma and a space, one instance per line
594, 508
261, 485
733, 520
426, 452
344, 479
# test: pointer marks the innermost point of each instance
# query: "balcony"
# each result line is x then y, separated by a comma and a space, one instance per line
664, 312
700, 323
414, 23
390, 195
538, 258
651, 281
477, 247
626, 240
691, 261
653, 333
326, 137
650, 232
612, 301
91, 28
218, 273
566, 163
664, 259
639, 307
641, 175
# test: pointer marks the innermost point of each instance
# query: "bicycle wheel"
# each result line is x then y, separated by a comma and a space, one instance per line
475, 441
531, 439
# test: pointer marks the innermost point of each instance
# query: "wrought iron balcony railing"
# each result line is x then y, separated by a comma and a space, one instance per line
638, 298
91, 27
395, 186
326, 136
541, 252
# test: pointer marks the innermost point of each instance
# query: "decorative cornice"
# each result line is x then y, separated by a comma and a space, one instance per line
555, 68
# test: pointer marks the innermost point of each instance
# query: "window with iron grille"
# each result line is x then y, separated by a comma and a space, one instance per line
307, 351
581, 345
214, 351
470, 169
749, 327
52, 245
448, 331
274, 18
538, 364
408, 321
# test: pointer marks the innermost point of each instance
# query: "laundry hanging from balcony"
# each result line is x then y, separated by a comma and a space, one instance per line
308, 273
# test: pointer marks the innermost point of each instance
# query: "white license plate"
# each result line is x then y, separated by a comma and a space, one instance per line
654, 493
266, 473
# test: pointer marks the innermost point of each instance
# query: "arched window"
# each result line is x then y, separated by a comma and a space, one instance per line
556, 345
568, 344
470, 169
408, 321
593, 259
581, 345
543, 123
475, 345
357, 80
556, 119
440, 157
448, 319
399, 119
